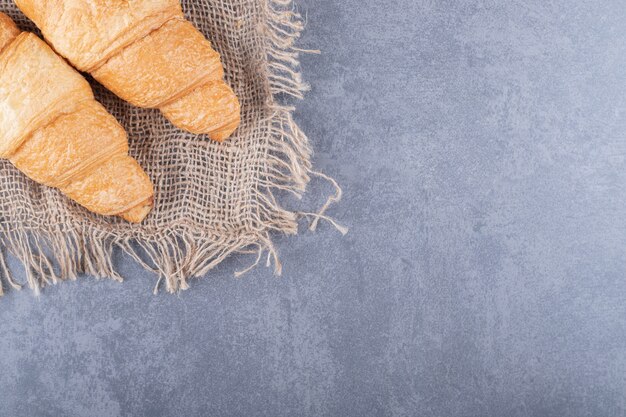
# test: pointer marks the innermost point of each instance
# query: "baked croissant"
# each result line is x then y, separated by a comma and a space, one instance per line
146, 53
53, 130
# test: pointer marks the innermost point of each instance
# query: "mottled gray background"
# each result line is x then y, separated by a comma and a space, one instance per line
482, 149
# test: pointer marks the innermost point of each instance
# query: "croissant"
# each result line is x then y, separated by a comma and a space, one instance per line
146, 53
53, 130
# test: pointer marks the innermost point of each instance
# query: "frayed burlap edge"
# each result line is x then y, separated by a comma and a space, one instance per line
181, 252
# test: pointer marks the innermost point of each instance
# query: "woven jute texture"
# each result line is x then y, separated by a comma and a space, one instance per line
211, 200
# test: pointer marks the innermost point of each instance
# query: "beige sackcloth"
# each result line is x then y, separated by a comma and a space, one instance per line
211, 200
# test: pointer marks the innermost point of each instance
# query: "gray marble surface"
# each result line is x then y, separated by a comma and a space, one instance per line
482, 149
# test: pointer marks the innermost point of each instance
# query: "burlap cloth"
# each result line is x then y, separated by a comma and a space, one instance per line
211, 200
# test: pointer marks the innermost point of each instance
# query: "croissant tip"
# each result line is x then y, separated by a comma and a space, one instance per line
138, 213
220, 136
226, 131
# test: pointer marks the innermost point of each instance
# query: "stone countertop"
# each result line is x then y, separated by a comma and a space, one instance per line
481, 146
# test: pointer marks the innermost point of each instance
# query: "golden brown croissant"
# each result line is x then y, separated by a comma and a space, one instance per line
53, 130
146, 53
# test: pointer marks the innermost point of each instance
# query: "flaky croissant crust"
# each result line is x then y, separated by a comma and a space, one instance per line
146, 53
53, 130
